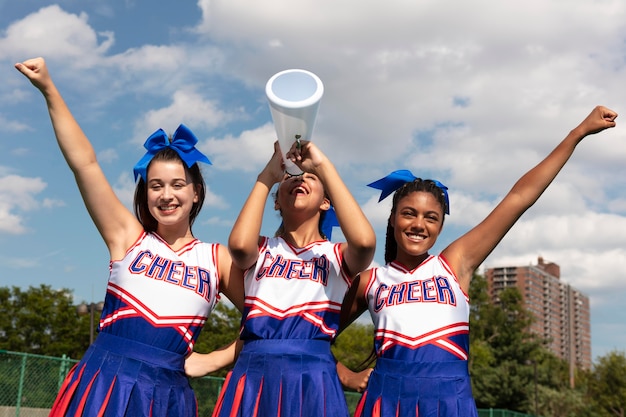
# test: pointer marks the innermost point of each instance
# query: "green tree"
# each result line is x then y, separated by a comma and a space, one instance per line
501, 349
43, 321
550, 389
561, 403
607, 384
354, 345
511, 368
221, 328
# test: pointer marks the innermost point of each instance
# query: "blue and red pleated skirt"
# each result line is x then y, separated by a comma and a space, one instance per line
283, 378
423, 389
122, 377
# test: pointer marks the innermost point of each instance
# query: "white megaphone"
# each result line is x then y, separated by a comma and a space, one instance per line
294, 97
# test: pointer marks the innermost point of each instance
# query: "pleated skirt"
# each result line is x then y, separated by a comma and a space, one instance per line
121, 377
285, 378
403, 389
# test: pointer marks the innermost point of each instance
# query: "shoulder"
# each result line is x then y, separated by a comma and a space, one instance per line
365, 277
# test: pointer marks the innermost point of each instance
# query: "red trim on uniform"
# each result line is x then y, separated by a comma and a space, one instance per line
220, 398
297, 251
258, 399
403, 268
83, 400
447, 267
105, 401
241, 384
140, 239
376, 408
359, 406
370, 283
66, 393
280, 398
215, 254
345, 274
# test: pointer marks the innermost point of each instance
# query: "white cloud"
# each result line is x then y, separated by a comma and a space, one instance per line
19, 191
13, 125
124, 188
218, 221
442, 88
213, 200
17, 196
52, 203
53, 32
247, 153
187, 107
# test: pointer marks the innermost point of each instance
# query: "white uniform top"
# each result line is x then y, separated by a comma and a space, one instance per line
419, 315
294, 293
159, 296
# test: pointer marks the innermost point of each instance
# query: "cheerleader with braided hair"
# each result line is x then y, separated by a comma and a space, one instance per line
294, 284
418, 301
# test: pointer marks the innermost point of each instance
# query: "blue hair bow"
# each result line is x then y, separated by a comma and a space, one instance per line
183, 142
330, 221
397, 179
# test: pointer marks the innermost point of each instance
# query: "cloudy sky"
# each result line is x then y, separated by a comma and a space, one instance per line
471, 93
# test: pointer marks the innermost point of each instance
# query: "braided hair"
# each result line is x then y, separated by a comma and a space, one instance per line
417, 185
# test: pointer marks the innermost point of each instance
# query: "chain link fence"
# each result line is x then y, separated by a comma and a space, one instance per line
492, 412
29, 384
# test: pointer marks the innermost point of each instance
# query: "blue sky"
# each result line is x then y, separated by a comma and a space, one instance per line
442, 88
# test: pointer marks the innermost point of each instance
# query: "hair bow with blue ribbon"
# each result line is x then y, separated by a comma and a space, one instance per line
329, 221
397, 179
183, 142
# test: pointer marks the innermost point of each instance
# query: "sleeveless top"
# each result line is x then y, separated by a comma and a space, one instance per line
161, 297
419, 315
294, 293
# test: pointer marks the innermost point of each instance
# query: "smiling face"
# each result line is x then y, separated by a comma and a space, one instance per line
170, 192
301, 192
416, 222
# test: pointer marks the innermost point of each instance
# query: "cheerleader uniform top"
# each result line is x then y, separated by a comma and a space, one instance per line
294, 293
419, 315
161, 297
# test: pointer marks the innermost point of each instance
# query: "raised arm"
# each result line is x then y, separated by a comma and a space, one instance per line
244, 237
469, 251
358, 251
116, 223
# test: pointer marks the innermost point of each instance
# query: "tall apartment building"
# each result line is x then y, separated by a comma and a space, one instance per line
561, 312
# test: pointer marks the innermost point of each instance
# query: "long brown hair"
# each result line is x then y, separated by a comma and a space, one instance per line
140, 202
